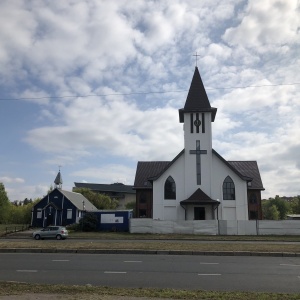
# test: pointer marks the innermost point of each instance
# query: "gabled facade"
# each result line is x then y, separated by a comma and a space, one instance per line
60, 207
198, 184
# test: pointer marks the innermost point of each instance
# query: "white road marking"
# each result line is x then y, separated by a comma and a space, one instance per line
113, 272
27, 271
132, 261
289, 265
60, 260
205, 263
209, 274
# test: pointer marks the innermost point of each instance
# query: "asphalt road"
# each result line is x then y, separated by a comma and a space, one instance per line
219, 273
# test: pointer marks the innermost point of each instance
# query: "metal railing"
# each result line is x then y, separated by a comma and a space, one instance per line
16, 228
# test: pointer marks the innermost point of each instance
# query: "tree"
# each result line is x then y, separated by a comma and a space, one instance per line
99, 200
295, 205
274, 213
20, 214
4, 205
131, 205
88, 222
282, 206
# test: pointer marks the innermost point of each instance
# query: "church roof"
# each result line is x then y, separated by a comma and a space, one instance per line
249, 169
197, 100
240, 174
114, 187
199, 197
151, 170
146, 170
77, 199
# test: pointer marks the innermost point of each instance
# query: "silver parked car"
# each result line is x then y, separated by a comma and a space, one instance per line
58, 232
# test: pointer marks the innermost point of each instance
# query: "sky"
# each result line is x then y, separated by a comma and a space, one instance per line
94, 86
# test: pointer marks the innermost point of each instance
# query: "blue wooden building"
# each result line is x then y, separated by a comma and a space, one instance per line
113, 220
60, 207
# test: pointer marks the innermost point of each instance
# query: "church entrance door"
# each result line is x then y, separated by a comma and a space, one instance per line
199, 213
50, 220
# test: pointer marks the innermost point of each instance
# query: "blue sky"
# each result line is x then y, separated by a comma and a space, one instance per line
95, 86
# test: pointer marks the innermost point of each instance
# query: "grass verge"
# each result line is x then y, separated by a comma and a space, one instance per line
149, 245
91, 292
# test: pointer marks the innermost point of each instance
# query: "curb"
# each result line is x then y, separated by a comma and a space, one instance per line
152, 252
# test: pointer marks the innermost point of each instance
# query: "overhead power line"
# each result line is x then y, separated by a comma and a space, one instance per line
144, 93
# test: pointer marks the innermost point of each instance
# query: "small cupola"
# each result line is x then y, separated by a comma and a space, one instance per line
58, 180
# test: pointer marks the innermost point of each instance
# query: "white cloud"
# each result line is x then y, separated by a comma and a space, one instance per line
114, 127
5, 179
266, 23
26, 191
71, 48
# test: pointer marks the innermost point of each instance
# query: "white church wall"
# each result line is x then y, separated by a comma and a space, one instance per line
170, 212
169, 209
227, 207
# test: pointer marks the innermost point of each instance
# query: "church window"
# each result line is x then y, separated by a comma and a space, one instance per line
228, 189
39, 213
253, 198
143, 198
69, 213
170, 188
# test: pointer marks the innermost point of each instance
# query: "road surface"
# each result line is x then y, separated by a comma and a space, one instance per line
219, 273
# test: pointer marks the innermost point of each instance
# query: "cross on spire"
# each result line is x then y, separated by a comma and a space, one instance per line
196, 58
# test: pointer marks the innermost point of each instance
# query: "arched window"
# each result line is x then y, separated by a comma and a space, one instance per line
170, 188
228, 189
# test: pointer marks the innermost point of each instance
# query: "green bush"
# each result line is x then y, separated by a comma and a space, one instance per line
88, 222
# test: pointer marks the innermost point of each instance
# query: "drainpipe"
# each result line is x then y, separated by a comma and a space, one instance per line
184, 211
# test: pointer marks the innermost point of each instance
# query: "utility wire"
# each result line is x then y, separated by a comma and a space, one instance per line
143, 93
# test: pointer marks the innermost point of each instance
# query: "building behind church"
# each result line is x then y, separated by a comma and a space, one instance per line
198, 184
125, 194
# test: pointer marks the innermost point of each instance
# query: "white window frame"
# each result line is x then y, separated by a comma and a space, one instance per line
69, 213
39, 213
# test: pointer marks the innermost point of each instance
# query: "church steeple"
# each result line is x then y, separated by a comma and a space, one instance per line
197, 100
58, 180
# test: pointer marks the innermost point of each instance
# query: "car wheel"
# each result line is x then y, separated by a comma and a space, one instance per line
37, 237
58, 237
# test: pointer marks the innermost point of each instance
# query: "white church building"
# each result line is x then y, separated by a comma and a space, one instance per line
198, 184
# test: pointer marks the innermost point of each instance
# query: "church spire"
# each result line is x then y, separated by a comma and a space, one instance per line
197, 100
58, 180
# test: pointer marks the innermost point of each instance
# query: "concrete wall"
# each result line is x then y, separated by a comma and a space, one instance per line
209, 227
215, 227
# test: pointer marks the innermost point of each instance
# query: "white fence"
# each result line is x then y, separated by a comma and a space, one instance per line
216, 227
